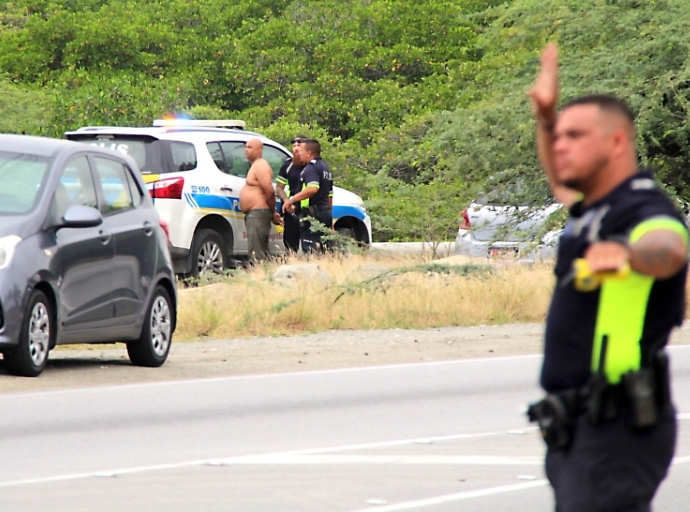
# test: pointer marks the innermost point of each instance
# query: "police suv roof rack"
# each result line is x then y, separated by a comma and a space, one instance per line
200, 123
96, 128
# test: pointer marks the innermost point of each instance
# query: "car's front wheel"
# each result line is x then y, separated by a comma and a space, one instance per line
153, 346
30, 357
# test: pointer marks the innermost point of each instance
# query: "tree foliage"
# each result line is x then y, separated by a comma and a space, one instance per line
420, 105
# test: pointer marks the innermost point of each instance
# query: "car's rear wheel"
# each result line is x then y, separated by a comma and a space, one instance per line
209, 253
153, 346
30, 357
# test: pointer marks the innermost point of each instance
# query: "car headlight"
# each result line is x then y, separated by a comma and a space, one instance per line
7, 245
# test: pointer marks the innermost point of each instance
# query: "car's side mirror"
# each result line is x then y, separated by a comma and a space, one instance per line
81, 216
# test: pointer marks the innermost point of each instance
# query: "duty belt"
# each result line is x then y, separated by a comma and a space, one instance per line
312, 210
643, 394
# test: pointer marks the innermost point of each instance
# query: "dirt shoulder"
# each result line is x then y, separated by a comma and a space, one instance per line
98, 365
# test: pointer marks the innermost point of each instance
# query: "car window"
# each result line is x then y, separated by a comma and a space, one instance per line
113, 178
134, 189
183, 156
275, 158
75, 186
235, 161
217, 155
21, 176
152, 156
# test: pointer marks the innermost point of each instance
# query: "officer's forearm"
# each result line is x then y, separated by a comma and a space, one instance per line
304, 194
659, 254
280, 191
545, 138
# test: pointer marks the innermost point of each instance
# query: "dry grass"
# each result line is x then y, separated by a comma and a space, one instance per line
409, 294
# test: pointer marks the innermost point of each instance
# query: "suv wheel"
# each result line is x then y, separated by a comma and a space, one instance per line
153, 346
30, 357
209, 253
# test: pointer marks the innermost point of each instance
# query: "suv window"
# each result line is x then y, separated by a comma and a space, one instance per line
275, 158
183, 156
229, 158
153, 156
235, 161
116, 191
76, 186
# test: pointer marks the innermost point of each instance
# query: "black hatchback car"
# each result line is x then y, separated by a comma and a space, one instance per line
83, 255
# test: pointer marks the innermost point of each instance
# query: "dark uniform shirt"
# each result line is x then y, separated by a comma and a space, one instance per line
290, 175
317, 174
636, 314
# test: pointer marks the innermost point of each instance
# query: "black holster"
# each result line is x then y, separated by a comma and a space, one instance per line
645, 392
556, 414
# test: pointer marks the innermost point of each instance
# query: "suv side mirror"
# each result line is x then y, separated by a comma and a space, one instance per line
80, 216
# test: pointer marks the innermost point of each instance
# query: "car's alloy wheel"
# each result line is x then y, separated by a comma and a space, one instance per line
210, 258
161, 326
39, 333
30, 357
209, 252
153, 345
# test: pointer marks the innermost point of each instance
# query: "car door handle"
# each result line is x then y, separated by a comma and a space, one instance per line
104, 237
226, 188
148, 228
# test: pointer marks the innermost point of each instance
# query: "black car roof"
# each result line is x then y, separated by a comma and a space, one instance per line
42, 146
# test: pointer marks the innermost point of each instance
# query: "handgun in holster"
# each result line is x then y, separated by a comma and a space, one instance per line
555, 414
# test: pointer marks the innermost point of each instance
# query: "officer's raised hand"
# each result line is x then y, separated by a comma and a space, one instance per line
544, 93
607, 257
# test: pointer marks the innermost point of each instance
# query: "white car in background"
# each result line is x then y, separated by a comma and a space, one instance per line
195, 171
493, 229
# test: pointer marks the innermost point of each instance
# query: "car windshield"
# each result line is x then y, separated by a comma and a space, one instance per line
153, 156
21, 176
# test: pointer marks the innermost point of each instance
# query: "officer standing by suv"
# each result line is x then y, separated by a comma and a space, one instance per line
315, 198
607, 419
290, 181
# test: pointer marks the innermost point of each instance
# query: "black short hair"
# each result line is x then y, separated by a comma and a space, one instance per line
298, 139
313, 146
605, 102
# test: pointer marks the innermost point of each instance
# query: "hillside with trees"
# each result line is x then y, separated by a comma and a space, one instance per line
421, 105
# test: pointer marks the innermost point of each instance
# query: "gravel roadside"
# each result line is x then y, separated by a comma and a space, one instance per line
98, 365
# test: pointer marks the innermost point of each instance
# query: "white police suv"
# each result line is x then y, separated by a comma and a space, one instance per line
195, 171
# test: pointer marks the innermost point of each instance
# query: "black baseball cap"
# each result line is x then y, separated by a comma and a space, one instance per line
298, 139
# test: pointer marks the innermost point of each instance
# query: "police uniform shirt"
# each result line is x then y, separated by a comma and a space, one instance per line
290, 175
316, 174
636, 313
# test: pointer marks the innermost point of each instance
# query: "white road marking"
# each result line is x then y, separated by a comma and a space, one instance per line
302, 457
457, 497
269, 375
459, 460
671, 348
239, 459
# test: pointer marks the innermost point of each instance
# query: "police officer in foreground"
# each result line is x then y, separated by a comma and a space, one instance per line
290, 180
315, 198
607, 418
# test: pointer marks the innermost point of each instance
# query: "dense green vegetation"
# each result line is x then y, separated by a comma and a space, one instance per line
421, 104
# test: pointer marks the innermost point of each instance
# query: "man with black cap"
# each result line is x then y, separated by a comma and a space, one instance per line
289, 181
315, 198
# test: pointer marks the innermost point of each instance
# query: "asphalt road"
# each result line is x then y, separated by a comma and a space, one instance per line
430, 437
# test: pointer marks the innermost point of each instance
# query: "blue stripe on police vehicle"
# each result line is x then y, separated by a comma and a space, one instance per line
348, 211
217, 202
